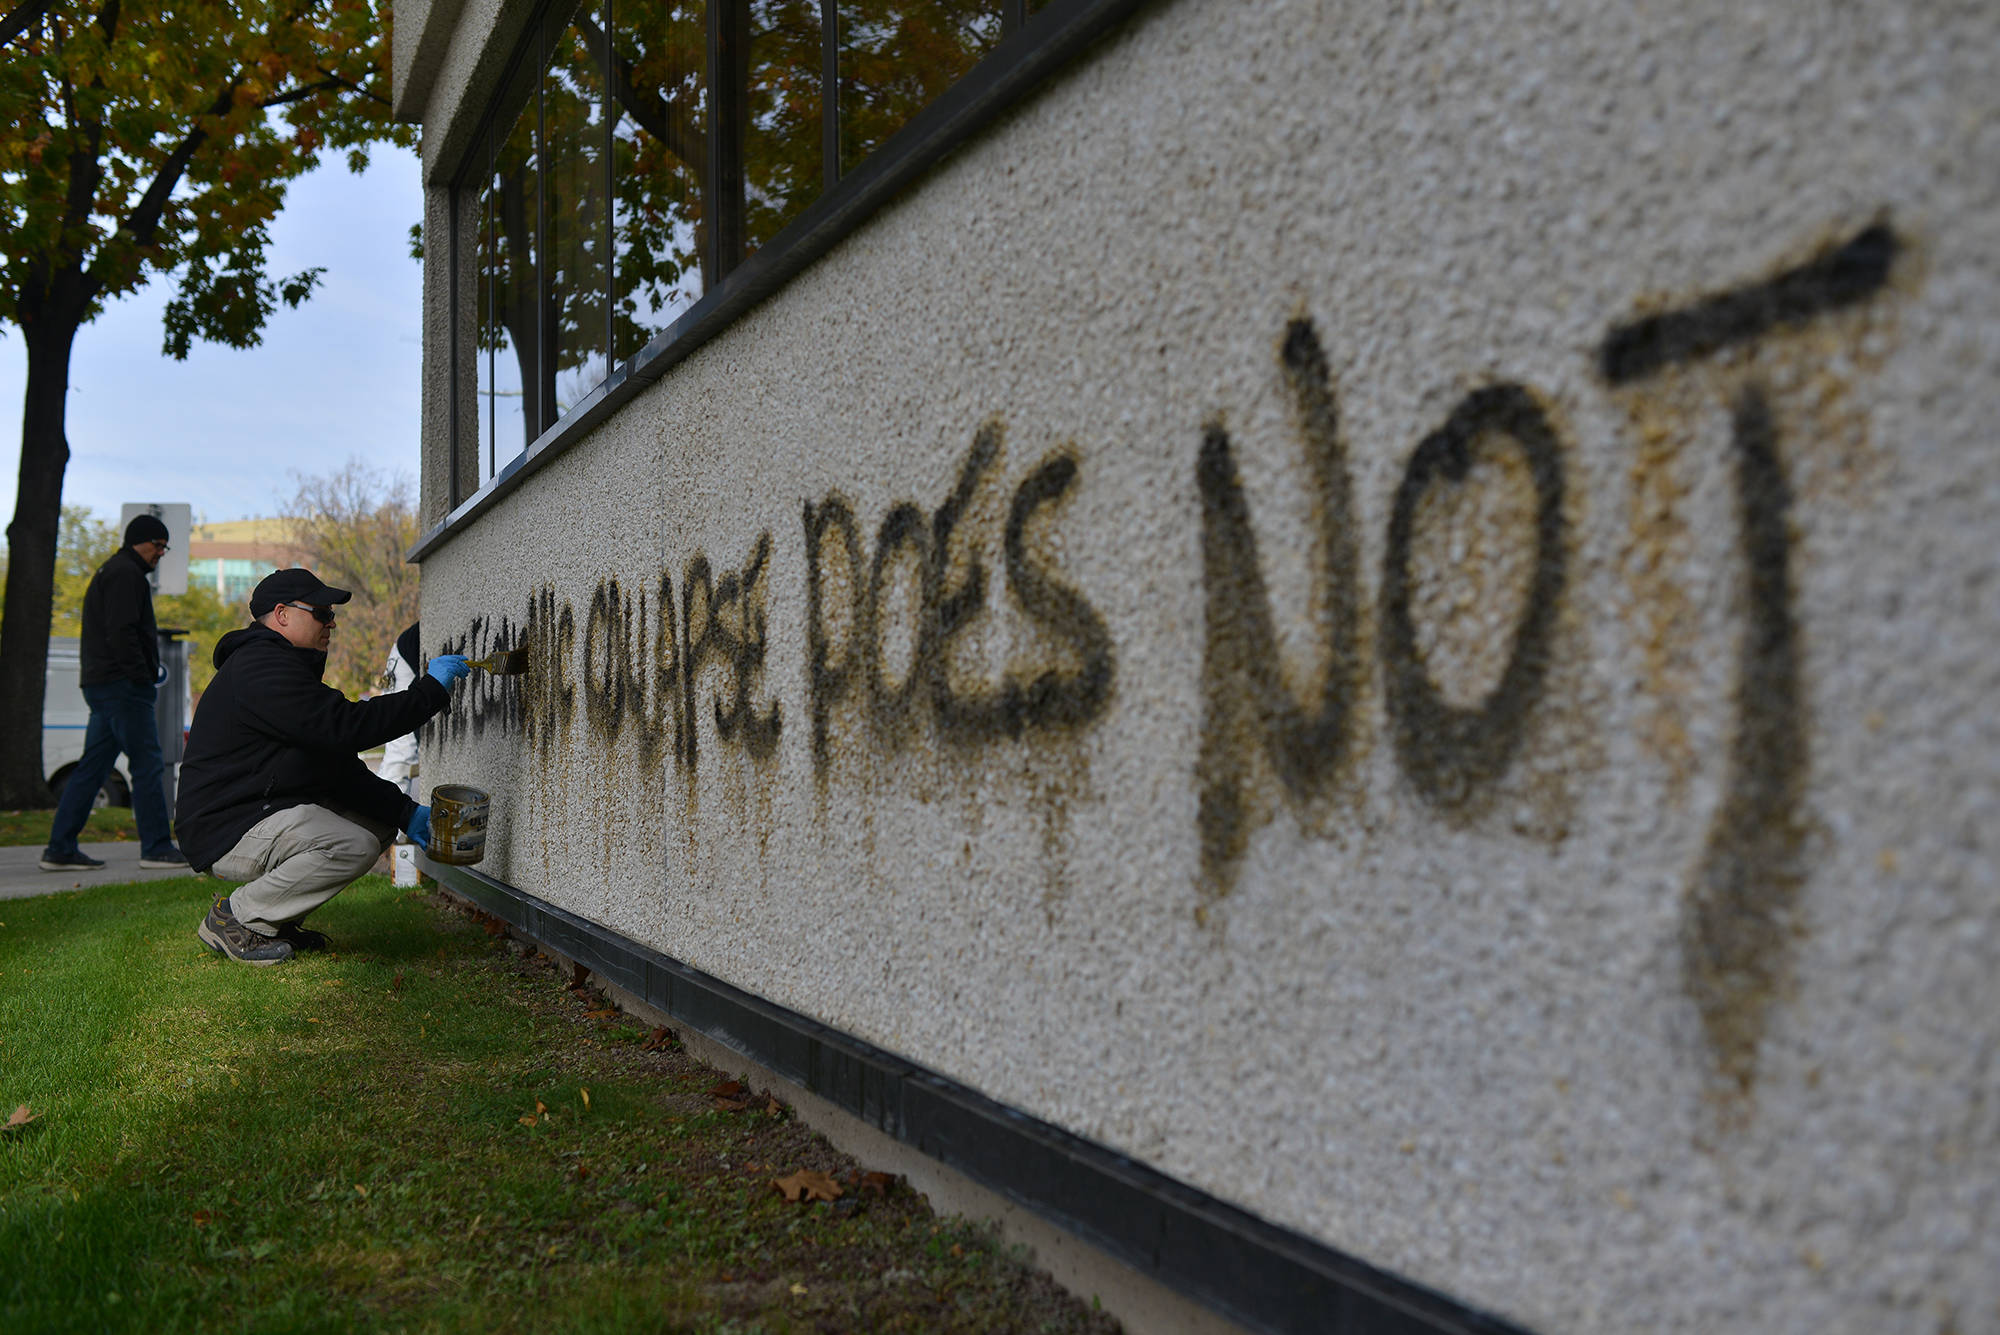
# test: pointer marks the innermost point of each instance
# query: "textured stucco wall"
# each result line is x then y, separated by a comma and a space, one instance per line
1661, 995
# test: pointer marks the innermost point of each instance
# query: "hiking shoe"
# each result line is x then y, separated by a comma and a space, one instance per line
77, 861
223, 934
173, 857
301, 939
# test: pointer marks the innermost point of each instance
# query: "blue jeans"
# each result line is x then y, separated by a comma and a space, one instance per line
121, 719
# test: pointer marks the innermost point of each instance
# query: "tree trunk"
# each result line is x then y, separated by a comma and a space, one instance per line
31, 563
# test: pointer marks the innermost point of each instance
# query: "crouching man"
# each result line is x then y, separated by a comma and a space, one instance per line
273, 792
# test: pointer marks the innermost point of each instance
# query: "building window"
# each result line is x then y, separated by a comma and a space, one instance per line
639, 151
659, 161
896, 56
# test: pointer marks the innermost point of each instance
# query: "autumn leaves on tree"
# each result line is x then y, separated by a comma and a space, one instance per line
143, 139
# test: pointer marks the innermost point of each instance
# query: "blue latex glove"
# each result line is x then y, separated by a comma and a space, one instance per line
448, 668
419, 828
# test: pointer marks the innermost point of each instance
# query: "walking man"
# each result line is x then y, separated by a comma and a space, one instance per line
273, 790
120, 652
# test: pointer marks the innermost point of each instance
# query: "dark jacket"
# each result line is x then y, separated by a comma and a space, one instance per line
269, 734
120, 640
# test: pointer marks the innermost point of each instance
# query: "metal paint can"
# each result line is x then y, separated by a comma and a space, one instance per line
458, 824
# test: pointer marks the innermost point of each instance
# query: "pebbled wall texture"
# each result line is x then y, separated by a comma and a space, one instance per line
1389, 608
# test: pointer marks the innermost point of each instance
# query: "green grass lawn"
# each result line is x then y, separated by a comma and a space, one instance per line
423, 1130
32, 827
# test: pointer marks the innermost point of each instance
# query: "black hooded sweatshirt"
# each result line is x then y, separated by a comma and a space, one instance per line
269, 734
119, 641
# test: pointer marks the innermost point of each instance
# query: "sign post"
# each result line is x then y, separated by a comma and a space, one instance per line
172, 575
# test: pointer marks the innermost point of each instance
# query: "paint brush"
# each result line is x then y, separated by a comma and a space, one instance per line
507, 663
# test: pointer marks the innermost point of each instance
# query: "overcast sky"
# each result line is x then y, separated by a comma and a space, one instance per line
223, 429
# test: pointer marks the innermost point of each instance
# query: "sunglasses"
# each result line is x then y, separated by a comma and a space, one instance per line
323, 615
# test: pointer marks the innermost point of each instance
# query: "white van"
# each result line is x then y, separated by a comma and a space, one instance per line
66, 715
64, 718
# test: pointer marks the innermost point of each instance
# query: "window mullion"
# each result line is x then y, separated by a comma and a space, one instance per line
729, 55
829, 95
609, 184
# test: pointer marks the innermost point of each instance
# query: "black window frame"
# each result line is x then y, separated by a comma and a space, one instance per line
1033, 47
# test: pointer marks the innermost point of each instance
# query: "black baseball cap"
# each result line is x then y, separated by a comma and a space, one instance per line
297, 585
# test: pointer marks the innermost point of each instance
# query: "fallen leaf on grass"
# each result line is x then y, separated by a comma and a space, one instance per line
396, 983
772, 1107
201, 1218
727, 1089
20, 1118
603, 1013
526, 1119
807, 1185
578, 977
798, 1290
586, 1097
877, 1184
660, 1038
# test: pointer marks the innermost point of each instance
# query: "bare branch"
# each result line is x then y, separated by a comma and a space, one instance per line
340, 81
299, 94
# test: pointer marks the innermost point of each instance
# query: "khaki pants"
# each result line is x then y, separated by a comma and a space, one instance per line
294, 860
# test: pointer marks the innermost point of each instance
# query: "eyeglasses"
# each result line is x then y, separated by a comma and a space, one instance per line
323, 615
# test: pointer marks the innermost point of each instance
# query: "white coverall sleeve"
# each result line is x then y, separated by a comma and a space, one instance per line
399, 758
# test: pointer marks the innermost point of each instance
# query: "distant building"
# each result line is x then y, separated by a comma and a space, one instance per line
230, 557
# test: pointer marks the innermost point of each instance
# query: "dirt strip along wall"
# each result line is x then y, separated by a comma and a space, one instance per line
1391, 609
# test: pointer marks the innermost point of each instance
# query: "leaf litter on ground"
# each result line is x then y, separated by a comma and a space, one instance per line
654, 1205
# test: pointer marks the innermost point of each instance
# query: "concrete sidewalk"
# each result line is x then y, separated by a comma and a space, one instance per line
20, 877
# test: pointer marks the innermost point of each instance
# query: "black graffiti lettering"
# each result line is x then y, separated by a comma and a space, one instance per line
743, 649
1842, 276
1247, 707
604, 662
960, 716
540, 686
473, 693
1736, 931
504, 692
1054, 699
1735, 935
562, 649
737, 597
948, 600
828, 682
1450, 752
663, 713
697, 578
890, 707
